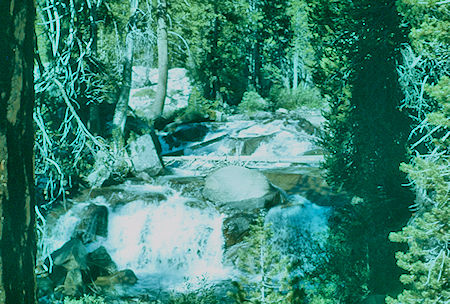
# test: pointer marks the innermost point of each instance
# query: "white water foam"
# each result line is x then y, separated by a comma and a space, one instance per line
167, 243
168, 239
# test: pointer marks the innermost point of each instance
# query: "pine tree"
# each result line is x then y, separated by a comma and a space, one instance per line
358, 45
265, 276
425, 80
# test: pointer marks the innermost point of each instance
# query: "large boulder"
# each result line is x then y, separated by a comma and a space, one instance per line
94, 222
69, 263
100, 263
144, 156
238, 189
72, 255
72, 271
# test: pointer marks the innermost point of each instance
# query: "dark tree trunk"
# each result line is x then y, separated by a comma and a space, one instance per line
17, 225
163, 62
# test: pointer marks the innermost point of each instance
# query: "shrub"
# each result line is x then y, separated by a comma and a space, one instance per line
292, 99
252, 102
199, 108
86, 299
203, 295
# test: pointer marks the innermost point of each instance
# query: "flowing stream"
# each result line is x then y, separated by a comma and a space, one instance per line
171, 239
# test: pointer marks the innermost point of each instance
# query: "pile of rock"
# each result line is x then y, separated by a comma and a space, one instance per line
73, 271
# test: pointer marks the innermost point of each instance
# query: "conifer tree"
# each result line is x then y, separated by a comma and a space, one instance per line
425, 79
265, 276
358, 45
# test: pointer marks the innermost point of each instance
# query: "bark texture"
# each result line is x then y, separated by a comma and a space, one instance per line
163, 60
17, 225
120, 113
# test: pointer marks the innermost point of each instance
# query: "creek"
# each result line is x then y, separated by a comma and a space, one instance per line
171, 237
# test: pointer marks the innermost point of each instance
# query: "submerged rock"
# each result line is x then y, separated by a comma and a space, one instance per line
251, 143
236, 227
308, 127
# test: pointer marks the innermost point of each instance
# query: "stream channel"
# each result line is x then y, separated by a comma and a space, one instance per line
171, 237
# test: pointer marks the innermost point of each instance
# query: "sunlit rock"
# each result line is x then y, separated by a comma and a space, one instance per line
235, 188
281, 112
144, 90
126, 276
144, 156
73, 284
100, 172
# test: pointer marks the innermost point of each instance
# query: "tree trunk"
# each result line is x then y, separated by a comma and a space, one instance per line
17, 224
295, 71
120, 113
163, 65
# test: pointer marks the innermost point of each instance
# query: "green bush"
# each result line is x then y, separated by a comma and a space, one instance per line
252, 102
204, 295
86, 299
292, 99
199, 108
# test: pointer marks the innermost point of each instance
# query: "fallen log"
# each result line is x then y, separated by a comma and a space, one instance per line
304, 159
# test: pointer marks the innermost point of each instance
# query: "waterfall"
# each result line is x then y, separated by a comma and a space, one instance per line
167, 243
169, 240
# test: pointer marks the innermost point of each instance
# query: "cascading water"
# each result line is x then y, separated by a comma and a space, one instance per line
169, 241
165, 242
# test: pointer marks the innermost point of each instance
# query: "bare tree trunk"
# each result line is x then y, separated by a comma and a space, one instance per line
163, 64
295, 71
120, 113
17, 217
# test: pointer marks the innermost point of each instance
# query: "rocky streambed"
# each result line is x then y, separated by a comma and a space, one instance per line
179, 223
180, 229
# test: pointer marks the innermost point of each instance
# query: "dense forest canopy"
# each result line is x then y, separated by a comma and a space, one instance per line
378, 70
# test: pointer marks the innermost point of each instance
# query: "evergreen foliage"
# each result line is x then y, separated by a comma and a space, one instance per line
252, 102
292, 99
203, 295
265, 276
358, 45
86, 299
425, 79
366, 132
342, 274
